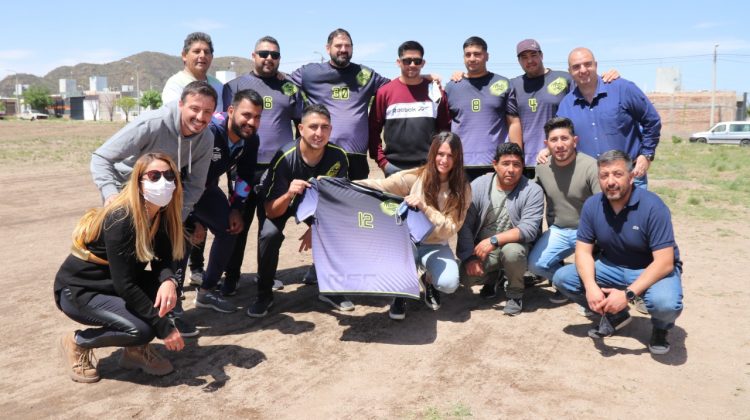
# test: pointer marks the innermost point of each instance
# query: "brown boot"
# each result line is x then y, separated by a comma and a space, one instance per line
147, 359
79, 361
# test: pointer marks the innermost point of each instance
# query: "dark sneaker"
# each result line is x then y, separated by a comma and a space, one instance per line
489, 290
610, 324
398, 309
196, 277
339, 302
530, 279
310, 277
178, 311
277, 284
214, 301
185, 328
260, 307
558, 297
584, 311
513, 307
640, 305
229, 286
658, 343
431, 297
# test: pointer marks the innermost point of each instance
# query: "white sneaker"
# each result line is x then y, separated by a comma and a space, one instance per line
196, 277
339, 302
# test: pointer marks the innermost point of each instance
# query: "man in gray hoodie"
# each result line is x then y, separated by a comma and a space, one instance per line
177, 129
504, 219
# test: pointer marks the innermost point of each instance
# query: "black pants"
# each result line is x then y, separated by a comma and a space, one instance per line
118, 326
253, 205
269, 244
359, 168
474, 172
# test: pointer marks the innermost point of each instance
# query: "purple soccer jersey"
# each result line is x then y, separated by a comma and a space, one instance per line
361, 243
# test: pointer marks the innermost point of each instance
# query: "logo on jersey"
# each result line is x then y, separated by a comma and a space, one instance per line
364, 220
267, 102
334, 170
289, 89
499, 87
216, 156
340, 93
389, 207
557, 86
476, 105
533, 104
364, 76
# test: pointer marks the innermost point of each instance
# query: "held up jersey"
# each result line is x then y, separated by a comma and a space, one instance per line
361, 242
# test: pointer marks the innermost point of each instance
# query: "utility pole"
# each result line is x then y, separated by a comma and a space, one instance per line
713, 91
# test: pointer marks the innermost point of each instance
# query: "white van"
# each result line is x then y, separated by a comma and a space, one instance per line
730, 132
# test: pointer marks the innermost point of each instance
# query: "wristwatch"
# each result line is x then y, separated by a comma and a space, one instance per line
494, 241
649, 157
630, 295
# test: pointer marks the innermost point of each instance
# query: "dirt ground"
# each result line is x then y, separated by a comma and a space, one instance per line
306, 360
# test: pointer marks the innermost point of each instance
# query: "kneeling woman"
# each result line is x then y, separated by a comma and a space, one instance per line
104, 283
440, 190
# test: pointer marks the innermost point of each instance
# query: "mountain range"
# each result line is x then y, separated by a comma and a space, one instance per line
153, 70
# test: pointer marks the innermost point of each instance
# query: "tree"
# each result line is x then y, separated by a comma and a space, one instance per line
127, 104
37, 97
151, 99
107, 104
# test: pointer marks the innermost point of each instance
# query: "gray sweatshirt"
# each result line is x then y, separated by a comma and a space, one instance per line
525, 208
154, 131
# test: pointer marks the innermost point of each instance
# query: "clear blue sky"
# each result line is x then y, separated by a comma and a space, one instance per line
634, 37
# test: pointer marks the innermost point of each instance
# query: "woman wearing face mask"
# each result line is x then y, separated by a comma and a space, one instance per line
104, 284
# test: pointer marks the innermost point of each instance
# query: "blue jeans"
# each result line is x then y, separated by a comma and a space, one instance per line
440, 264
663, 299
641, 182
550, 250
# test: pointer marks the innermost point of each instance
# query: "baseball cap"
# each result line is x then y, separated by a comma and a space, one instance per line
527, 45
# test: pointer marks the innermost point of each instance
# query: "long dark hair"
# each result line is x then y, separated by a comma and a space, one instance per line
456, 178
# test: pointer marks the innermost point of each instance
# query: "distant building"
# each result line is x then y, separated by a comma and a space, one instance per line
98, 84
68, 86
683, 113
668, 80
225, 76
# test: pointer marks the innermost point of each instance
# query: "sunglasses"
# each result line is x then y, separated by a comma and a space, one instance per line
265, 53
408, 60
155, 175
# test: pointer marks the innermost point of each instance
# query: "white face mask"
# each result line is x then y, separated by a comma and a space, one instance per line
159, 192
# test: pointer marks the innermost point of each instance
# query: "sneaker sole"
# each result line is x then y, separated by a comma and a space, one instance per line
253, 315
396, 317
335, 305
277, 285
123, 363
71, 374
215, 308
659, 350
190, 334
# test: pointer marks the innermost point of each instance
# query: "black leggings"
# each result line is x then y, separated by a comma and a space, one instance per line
119, 327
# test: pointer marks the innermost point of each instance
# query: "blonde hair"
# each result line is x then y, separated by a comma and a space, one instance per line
130, 201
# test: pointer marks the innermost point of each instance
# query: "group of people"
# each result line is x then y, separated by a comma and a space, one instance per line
574, 141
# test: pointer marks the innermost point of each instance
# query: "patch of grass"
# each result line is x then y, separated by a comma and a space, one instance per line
457, 411
694, 201
676, 139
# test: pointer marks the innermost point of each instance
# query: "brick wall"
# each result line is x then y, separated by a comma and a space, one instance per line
683, 113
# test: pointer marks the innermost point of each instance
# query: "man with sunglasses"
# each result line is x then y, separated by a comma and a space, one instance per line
282, 107
235, 148
408, 110
197, 55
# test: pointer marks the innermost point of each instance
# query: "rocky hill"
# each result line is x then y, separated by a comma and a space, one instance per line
153, 71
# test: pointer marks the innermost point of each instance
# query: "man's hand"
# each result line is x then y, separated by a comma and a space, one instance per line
641, 166
542, 157
474, 268
199, 234
235, 222
610, 75
457, 76
166, 297
174, 341
483, 249
615, 302
306, 240
298, 186
595, 298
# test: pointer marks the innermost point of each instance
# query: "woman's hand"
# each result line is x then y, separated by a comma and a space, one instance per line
166, 297
414, 201
174, 341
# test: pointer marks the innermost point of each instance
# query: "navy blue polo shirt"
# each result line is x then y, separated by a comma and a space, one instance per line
628, 239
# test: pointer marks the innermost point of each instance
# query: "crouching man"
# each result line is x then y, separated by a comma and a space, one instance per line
639, 256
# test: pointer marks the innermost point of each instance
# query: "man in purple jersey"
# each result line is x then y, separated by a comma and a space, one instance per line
345, 88
282, 107
483, 109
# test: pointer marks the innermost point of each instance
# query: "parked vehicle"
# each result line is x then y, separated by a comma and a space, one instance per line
32, 115
729, 132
